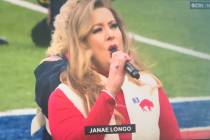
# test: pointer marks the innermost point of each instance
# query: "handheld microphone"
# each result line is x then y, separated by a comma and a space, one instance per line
129, 68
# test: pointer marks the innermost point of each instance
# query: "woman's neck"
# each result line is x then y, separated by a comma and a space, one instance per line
101, 70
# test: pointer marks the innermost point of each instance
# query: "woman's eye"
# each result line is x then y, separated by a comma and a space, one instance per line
114, 25
96, 30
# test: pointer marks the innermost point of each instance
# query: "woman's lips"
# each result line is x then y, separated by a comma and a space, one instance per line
113, 48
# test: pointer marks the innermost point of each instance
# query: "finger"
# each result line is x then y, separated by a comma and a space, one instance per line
120, 55
119, 60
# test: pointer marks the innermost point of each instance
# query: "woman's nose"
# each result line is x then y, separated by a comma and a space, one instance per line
109, 34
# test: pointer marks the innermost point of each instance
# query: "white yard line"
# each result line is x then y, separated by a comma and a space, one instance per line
17, 112
168, 46
153, 42
196, 129
32, 111
28, 5
189, 99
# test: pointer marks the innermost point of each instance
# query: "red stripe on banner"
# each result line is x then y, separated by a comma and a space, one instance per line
195, 134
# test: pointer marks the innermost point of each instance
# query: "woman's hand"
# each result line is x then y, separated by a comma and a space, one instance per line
116, 72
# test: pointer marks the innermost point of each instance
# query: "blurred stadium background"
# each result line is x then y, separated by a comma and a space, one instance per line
173, 22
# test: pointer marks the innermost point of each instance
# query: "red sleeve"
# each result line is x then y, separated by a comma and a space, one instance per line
66, 121
169, 129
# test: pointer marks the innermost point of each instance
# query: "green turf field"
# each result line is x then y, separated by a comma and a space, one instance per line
173, 22
170, 21
19, 58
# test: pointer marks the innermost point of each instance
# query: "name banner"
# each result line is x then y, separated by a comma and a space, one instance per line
110, 129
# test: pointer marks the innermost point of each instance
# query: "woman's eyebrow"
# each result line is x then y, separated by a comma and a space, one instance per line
101, 24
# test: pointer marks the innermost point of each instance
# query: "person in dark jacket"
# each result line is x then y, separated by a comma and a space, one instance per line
47, 79
54, 9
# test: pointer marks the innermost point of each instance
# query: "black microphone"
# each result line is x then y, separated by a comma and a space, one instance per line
129, 68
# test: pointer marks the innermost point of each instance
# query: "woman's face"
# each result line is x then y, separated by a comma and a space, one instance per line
105, 34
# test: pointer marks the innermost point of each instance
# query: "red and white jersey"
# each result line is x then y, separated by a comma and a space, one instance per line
146, 106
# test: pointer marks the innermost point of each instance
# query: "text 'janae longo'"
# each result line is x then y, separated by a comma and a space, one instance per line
110, 129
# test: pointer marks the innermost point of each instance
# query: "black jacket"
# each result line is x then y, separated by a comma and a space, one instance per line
47, 79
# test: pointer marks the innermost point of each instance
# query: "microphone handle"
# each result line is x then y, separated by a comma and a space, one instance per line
130, 69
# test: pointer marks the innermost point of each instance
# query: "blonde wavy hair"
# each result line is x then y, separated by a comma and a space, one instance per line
72, 26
